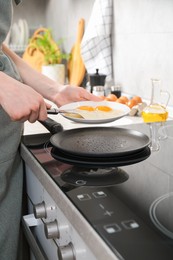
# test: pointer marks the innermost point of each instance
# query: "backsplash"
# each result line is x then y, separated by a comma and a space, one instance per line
143, 45
142, 37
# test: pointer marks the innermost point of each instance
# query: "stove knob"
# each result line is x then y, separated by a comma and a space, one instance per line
66, 252
40, 210
51, 229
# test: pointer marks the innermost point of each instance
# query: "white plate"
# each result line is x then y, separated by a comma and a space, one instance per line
119, 111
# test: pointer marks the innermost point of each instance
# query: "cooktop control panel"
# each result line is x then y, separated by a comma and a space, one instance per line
125, 232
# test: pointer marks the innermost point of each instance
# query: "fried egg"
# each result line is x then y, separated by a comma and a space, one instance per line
98, 112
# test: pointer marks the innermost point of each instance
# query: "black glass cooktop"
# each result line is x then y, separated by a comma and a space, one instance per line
101, 195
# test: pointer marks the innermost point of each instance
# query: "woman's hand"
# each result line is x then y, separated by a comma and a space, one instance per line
21, 102
67, 94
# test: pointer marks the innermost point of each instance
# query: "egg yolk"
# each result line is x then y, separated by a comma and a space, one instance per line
87, 108
98, 108
103, 108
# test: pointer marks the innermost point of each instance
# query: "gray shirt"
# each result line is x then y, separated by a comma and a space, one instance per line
11, 168
10, 132
5, 18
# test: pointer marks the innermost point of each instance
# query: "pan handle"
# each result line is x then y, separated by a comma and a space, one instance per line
51, 125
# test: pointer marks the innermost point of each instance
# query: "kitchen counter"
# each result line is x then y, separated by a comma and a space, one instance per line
67, 124
141, 181
88, 234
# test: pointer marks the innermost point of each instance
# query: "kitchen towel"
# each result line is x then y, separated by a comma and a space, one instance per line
96, 47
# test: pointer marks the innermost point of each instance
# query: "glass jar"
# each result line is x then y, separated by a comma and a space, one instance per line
98, 91
116, 90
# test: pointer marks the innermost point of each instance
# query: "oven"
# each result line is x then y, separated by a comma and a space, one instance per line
98, 213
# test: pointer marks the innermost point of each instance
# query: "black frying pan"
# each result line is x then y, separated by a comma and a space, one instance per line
101, 162
96, 141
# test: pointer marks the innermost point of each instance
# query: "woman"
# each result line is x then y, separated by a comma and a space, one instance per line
21, 98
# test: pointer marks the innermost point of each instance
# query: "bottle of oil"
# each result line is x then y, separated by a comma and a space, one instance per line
156, 111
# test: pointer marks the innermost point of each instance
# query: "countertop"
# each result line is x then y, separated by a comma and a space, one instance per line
37, 127
164, 174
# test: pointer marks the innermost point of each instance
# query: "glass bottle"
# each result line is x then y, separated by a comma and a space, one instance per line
156, 112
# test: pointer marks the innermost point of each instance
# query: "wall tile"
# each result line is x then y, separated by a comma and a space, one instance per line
143, 45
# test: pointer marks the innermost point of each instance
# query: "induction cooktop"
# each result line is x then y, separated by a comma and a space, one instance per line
96, 192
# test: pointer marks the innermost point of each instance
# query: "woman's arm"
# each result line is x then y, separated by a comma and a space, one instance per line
24, 100
49, 89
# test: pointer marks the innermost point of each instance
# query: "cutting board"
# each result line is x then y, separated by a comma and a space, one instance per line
75, 66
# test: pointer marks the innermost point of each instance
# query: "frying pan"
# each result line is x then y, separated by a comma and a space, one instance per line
97, 142
95, 162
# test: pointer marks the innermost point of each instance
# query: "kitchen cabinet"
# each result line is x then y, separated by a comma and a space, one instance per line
31, 12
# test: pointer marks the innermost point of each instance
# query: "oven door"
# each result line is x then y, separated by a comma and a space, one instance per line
30, 223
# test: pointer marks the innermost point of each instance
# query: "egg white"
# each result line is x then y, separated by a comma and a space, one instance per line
98, 114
